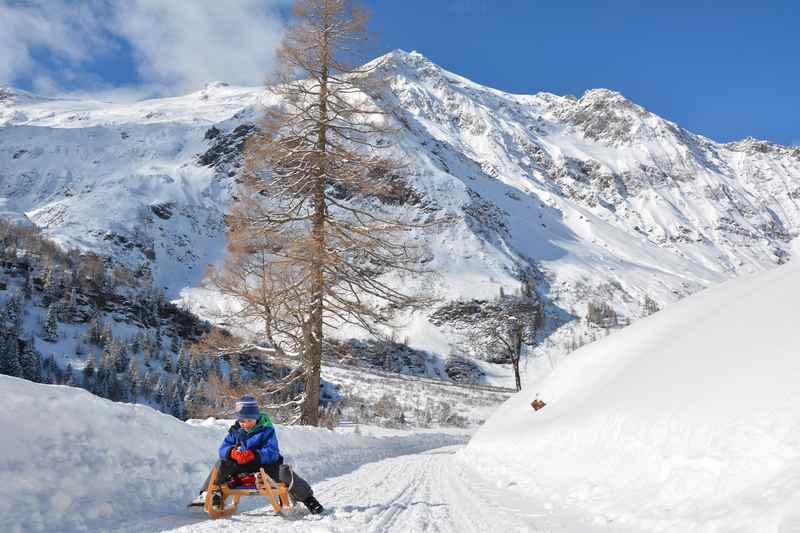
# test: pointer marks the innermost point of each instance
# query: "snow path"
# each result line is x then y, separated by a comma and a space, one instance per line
434, 491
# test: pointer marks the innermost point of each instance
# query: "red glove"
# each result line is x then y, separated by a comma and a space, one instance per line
242, 457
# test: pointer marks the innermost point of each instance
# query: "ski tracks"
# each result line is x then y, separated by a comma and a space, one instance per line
431, 492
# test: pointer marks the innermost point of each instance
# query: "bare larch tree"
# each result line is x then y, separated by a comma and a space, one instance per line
513, 328
309, 237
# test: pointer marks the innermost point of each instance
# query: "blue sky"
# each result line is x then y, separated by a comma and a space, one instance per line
724, 69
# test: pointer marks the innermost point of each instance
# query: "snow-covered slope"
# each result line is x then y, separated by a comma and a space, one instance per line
636, 200
11, 213
594, 197
688, 420
120, 179
71, 461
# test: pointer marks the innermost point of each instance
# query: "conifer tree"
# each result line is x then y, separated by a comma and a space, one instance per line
308, 241
134, 380
168, 363
89, 375
50, 329
160, 392
13, 314
107, 334
115, 390
70, 307
121, 356
31, 363
27, 285
9, 356
52, 286
94, 332
184, 365
197, 368
136, 343
148, 383
176, 405
101, 381
51, 369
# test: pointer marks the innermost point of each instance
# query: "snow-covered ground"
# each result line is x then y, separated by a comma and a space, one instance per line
74, 462
688, 420
433, 491
71, 461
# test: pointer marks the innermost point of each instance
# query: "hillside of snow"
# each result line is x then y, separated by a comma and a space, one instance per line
594, 198
688, 420
72, 461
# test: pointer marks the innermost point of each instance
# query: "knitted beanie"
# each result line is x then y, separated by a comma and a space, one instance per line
247, 408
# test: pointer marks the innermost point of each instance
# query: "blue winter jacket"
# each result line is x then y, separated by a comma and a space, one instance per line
261, 439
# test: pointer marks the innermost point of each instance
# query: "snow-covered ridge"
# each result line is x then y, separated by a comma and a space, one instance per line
216, 102
595, 197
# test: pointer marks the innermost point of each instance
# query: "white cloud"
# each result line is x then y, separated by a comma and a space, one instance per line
70, 33
186, 43
179, 45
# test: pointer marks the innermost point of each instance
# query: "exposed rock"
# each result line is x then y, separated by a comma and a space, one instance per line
380, 354
164, 210
462, 370
226, 148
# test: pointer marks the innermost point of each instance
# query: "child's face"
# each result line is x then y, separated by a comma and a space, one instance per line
247, 423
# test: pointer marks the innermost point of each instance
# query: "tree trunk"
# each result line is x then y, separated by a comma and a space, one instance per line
517, 354
310, 413
515, 364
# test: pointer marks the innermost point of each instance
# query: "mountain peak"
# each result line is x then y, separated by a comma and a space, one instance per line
602, 93
400, 59
399, 54
602, 98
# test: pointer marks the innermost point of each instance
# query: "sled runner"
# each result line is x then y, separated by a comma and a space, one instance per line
258, 484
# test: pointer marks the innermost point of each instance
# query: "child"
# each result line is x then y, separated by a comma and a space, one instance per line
250, 445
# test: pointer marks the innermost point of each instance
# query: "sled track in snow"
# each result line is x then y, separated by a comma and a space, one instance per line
431, 492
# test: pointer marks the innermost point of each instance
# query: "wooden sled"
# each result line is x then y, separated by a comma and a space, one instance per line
276, 492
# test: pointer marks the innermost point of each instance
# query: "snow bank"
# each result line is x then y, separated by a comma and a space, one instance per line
686, 421
73, 461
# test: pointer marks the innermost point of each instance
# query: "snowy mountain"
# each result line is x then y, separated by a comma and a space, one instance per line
688, 420
594, 198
